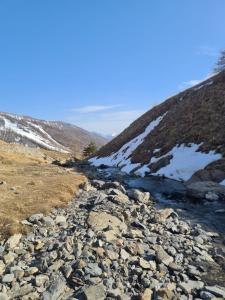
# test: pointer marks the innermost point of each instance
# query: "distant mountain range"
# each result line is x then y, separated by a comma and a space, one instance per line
182, 138
52, 135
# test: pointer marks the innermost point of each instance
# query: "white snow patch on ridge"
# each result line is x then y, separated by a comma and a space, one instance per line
121, 157
31, 135
184, 163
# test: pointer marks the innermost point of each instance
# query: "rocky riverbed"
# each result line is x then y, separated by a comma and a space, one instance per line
112, 243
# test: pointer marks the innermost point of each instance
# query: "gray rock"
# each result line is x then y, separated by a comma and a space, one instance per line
2, 267
93, 269
218, 291
13, 241
3, 296
8, 278
41, 279
114, 185
139, 196
96, 292
35, 218
48, 221
61, 220
200, 189
162, 256
56, 290
124, 254
206, 295
191, 285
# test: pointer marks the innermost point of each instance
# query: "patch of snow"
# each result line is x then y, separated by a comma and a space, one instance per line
222, 182
31, 135
142, 171
156, 150
201, 86
121, 157
186, 161
46, 134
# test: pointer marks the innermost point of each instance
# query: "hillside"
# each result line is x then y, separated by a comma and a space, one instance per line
177, 139
58, 136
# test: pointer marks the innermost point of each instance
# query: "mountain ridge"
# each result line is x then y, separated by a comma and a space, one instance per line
53, 135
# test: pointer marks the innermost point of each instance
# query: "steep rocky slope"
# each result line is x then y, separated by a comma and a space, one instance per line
58, 136
177, 139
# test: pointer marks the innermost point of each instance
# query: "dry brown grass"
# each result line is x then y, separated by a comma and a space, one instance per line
33, 185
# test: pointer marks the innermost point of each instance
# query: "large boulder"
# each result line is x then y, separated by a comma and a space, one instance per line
99, 221
206, 190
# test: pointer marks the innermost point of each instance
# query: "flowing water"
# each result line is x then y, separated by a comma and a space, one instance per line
171, 193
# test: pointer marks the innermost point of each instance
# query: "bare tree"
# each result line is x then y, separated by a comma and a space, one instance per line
220, 65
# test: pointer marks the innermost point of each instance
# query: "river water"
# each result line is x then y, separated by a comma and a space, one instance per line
171, 193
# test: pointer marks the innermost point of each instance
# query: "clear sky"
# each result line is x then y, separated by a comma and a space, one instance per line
101, 63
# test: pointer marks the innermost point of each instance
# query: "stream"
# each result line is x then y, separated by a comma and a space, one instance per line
171, 193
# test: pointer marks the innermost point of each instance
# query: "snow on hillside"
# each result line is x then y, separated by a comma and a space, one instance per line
185, 161
31, 131
121, 157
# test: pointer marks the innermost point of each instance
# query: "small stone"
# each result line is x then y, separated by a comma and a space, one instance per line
191, 285
218, 291
109, 235
8, 278
41, 279
139, 196
162, 256
146, 295
93, 269
165, 294
67, 270
2, 267
35, 218
206, 295
9, 258
61, 220
100, 252
56, 290
124, 254
175, 267
48, 221
99, 221
13, 241
38, 245
96, 292
31, 271
3, 296
164, 214
144, 264
112, 254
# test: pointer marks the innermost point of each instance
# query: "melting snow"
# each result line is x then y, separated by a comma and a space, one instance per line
201, 86
222, 182
186, 161
31, 135
121, 157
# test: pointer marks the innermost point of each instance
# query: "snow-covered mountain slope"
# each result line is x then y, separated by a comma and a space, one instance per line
57, 136
181, 138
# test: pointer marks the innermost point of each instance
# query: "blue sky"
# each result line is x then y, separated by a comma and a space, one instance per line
101, 63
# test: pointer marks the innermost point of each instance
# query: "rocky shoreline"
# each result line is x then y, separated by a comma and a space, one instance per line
112, 243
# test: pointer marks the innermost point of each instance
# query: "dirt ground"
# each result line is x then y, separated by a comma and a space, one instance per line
30, 183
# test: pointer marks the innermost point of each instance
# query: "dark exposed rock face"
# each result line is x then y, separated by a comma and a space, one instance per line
51, 135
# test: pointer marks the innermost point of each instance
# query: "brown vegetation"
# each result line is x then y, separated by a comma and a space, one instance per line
31, 184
